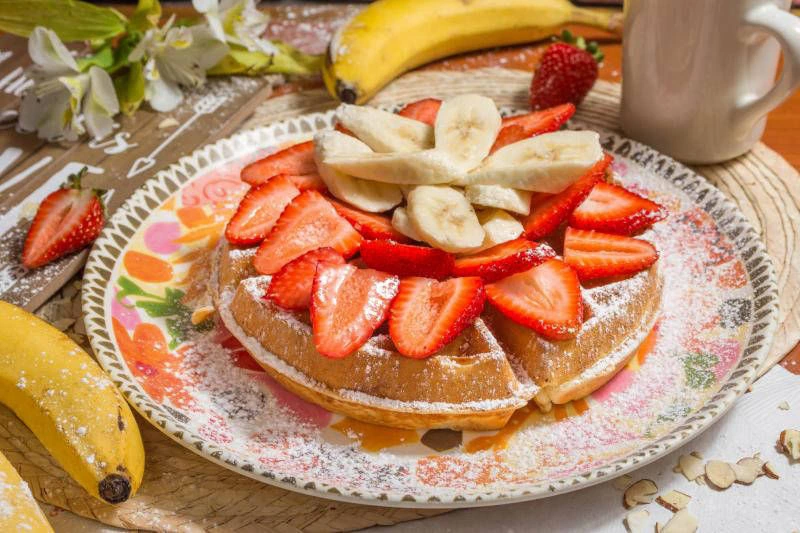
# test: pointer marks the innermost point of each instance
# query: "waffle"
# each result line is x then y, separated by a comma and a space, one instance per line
476, 382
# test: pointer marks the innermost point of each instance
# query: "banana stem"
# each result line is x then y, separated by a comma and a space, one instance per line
605, 19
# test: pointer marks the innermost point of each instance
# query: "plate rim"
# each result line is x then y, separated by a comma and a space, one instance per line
729, 219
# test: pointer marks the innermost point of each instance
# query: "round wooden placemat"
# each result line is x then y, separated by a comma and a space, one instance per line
184, 492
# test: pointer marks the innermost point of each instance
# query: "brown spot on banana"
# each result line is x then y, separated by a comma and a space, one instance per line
115, 488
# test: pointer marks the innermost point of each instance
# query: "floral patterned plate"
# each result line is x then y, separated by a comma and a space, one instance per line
148, 316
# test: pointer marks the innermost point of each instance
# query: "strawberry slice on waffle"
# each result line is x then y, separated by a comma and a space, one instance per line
521, 127
308, 222
427, 314
290, 288
347, 305
423, 110
614, 209
546, 299
259, 210
406, 259
503, 260
295, 160
600, 255
369, 225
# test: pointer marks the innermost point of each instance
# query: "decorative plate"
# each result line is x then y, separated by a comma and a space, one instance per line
148, 317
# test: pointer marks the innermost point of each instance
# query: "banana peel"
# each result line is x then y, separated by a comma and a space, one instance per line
390, 37
70, 404
18, 510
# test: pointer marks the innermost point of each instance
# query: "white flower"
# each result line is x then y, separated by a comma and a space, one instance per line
175, 58
237, 22
53, 107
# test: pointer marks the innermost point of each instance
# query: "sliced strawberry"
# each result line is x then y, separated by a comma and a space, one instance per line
546, 299
427, 314
369, 225
423, 110
406, 259
549, 211
291, 287
307, 182
339, 127
308, 223
503, 260
295, 160
523, 126
67, 220
347, 305
259, 210
613, 209
598, 255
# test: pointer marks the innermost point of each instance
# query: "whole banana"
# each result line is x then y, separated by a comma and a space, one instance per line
70, 404
18, 510
390, 37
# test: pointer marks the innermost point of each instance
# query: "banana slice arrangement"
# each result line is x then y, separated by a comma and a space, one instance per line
445, 172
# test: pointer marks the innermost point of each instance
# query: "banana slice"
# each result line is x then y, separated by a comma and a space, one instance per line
546, 163
402, 223
384, 131
444, 218
499, 226
428, 167
513, 200
370, 196
465, 129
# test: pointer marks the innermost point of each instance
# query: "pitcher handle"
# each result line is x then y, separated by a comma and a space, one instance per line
785, 27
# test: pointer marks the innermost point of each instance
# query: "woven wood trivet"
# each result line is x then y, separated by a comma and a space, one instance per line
184, 492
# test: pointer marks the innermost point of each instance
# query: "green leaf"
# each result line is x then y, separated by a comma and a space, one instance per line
129, 288
157, 309
130, 88
146, 15
72, 20
103, 58
698, 368
252, 63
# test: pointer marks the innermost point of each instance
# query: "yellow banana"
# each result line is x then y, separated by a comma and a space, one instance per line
70, 404
390, 37
18, 510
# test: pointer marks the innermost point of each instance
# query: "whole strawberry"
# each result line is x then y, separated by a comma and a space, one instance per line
566, 72
67, 220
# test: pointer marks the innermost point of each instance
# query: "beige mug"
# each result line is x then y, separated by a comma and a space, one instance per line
699, 75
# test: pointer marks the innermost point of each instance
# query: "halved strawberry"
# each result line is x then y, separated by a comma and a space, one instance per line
295, 160
503, 260
598, 255
546, 299
259, 210
423, 110
347, 305
307, 182
523, 126
406, 259
67, 220
427, 314
613, 209
549, 211
308, 223
291, 286
369, 225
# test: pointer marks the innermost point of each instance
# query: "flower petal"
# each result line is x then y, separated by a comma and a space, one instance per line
163, 95
49, 53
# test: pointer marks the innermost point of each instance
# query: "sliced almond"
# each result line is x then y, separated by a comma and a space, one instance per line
720, 474
784, 405
201, 314
690, 466
790, 443
636, 521
623, 482
643, 491
747, 469
770, 471
681, 522
674, 500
